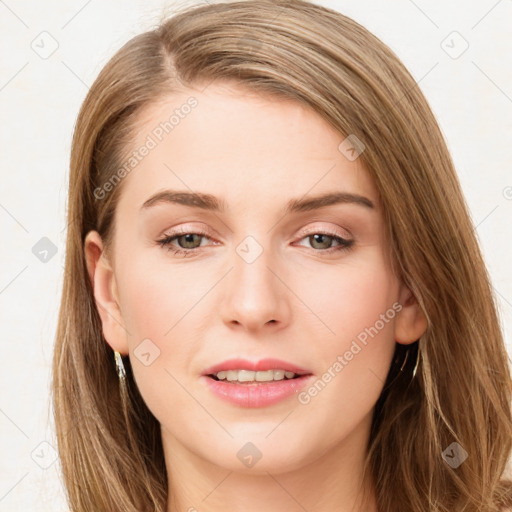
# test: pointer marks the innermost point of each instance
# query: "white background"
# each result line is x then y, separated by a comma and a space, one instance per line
39, 99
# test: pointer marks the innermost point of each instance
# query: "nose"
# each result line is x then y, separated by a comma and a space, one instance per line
255, 297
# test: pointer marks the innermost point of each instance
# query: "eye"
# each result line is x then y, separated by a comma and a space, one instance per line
190, 241
323, 241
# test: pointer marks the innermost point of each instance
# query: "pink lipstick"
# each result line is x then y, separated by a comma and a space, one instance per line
255, 384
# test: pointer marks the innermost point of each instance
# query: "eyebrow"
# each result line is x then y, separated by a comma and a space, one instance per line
213, 203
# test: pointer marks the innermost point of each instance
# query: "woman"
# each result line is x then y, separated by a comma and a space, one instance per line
274, 298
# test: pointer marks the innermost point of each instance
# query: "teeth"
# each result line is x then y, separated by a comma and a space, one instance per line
250, 376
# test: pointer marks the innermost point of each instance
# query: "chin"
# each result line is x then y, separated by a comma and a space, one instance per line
259, 455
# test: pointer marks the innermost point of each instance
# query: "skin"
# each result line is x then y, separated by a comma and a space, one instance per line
256, 153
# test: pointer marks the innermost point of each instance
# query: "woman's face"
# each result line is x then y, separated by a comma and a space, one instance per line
263, 274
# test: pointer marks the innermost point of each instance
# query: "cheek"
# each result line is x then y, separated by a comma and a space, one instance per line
157, 312
357, 306
155, 296
349, 297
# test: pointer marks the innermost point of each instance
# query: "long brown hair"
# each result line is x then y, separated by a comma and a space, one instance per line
112, 459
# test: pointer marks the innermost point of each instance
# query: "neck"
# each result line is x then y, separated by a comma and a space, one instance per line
331, 482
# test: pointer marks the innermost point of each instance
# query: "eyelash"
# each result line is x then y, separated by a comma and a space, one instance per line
344, 244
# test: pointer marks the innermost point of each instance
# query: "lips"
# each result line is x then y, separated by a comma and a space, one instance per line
255, 394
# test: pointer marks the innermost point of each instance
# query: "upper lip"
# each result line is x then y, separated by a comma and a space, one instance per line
255, 366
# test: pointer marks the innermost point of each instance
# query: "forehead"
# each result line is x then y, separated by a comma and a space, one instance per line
247, 148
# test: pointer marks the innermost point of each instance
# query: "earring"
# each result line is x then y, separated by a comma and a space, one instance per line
121, 372
405, 360
417, 361
123, 388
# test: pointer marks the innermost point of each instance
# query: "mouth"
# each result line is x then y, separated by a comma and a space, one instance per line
255, 384
247, 377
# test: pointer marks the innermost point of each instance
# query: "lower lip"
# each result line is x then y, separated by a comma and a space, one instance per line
256, 394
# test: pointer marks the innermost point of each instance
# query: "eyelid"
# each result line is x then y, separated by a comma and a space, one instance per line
331, 231
185, 229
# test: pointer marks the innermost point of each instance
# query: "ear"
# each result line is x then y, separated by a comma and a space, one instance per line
411, 322
106, 296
